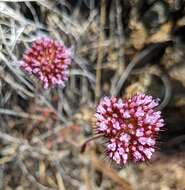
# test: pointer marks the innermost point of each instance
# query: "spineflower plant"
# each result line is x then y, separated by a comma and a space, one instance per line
130, 127
48, 60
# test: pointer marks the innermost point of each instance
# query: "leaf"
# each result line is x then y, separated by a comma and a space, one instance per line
162, 35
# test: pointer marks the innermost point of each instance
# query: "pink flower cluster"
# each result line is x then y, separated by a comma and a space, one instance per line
48, 60
130, 126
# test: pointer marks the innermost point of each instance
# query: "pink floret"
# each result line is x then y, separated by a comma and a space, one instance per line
130, 127
48, 60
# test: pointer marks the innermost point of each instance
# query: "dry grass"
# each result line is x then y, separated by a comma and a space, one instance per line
42, 131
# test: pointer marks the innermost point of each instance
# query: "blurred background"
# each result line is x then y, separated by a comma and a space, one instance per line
119, 47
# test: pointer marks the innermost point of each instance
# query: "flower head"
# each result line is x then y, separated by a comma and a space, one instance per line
48, 60
130, 127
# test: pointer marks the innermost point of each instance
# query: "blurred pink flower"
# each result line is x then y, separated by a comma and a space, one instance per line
48, 60
130, 127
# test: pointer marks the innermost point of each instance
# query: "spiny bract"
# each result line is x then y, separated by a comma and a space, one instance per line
130, 127
48, 60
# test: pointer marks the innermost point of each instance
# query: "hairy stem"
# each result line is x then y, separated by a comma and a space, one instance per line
83, 146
